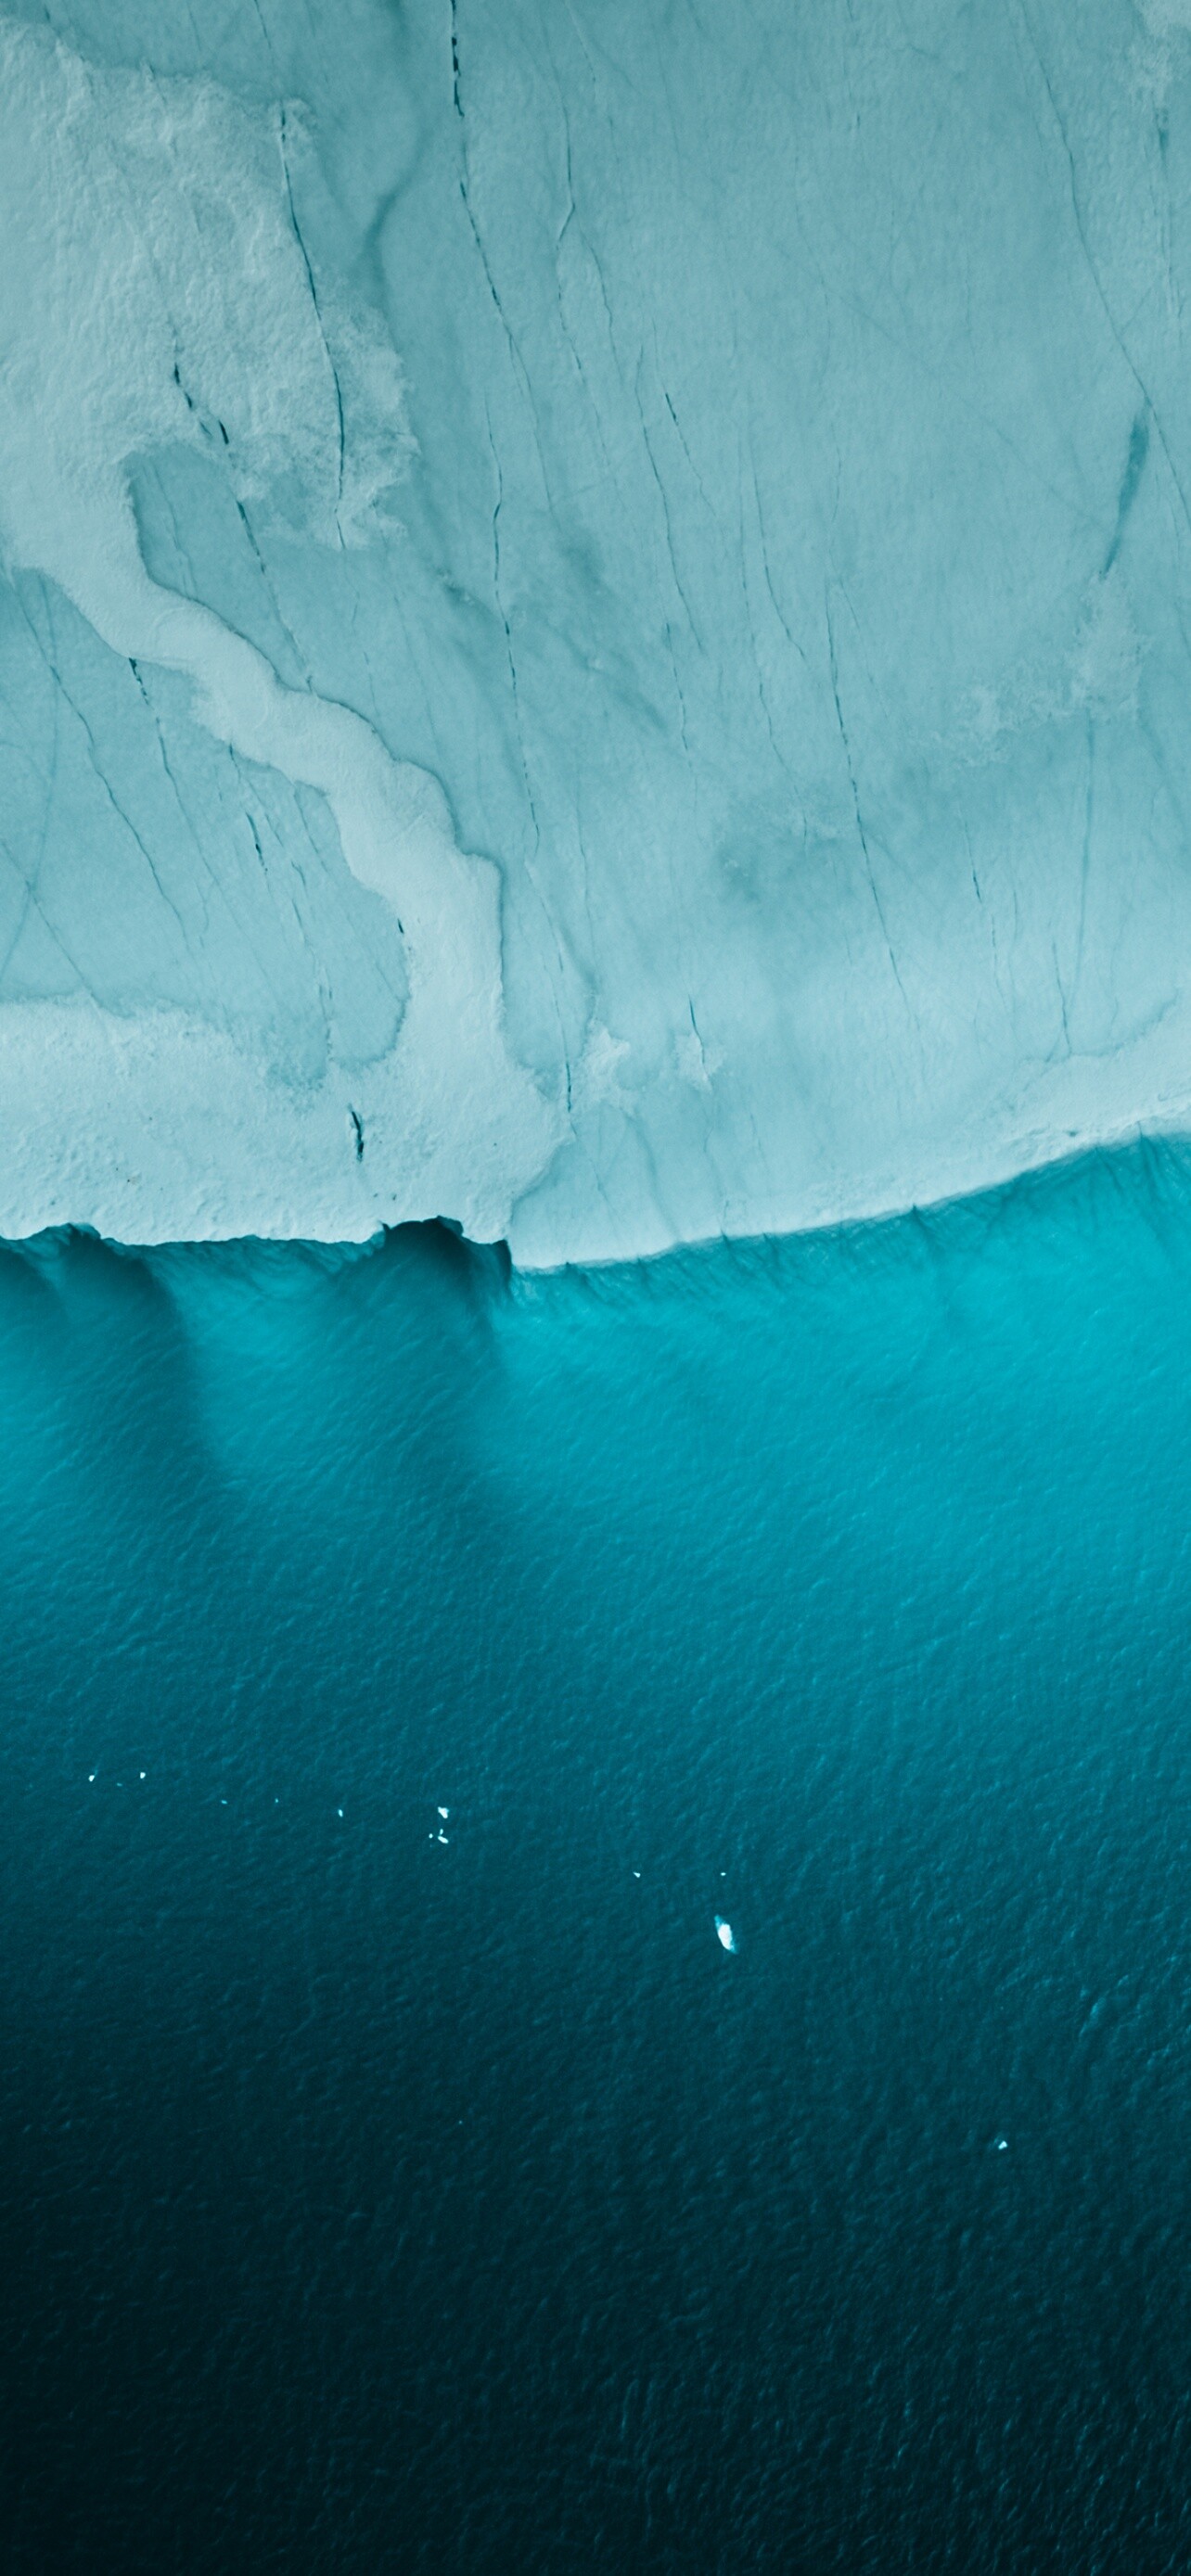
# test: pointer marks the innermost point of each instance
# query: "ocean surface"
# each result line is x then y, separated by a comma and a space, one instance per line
404, 1665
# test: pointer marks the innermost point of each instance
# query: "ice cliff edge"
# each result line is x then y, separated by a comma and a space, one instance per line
595, 634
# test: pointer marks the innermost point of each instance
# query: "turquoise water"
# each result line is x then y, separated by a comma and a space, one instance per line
378, 2201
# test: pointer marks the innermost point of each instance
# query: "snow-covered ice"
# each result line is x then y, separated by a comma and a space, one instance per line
595, 631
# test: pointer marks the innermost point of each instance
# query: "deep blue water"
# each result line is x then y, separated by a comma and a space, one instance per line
376, 2202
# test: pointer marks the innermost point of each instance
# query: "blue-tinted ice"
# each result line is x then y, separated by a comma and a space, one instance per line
595, 634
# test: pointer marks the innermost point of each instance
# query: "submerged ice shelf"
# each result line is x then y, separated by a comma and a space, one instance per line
594, 636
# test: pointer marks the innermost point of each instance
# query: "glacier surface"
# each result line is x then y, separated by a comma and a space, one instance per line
594, 633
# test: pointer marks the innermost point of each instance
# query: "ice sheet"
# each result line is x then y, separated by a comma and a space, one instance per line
594, 637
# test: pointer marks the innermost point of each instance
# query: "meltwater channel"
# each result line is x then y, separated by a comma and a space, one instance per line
404, 1664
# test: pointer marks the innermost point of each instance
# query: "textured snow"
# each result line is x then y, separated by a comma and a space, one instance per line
594, 635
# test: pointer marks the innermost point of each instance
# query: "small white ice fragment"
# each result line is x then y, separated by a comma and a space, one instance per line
1001, 2144
726, 1933
444, 1813
443, 1838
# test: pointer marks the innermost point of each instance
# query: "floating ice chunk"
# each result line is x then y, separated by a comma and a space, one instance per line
726, 1934
444, 1813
